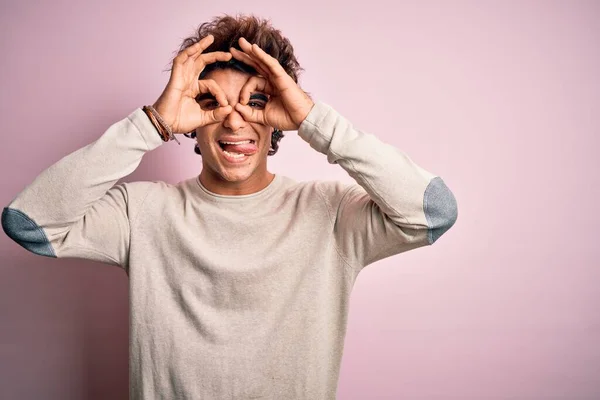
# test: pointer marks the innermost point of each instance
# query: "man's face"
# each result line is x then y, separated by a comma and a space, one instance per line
219, 169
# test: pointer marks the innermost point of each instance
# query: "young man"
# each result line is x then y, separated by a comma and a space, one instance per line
240, 279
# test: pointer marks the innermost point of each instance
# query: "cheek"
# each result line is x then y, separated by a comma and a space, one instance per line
264, 133
203, 138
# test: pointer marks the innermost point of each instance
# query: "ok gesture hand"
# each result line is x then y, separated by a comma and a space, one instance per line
288, 105
177, 104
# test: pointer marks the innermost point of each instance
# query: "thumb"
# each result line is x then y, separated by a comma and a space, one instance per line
250, 114
219, 113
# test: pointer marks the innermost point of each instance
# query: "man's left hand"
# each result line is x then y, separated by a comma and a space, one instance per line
288, 105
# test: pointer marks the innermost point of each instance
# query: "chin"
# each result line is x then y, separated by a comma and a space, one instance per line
236, 173
236, 176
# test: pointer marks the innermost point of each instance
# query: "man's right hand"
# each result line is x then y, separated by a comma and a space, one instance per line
177, 104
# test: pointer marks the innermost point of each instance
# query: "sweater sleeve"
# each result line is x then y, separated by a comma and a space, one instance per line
73, 209
395, 204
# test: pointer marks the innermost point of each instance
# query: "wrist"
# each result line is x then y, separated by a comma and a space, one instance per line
164, 130
306, 111
160, 109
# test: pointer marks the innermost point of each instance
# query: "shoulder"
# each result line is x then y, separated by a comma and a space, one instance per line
329, 191
141, 188
136, 192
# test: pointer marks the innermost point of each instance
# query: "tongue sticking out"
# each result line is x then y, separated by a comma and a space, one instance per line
247, 148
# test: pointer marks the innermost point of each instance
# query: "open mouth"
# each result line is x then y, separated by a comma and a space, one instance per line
237, 151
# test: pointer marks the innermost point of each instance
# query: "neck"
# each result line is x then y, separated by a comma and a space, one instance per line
219, 185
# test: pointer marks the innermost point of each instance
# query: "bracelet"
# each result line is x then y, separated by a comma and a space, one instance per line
161, 126
161, 132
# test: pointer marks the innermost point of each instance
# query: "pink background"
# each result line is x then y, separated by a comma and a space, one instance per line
501, 99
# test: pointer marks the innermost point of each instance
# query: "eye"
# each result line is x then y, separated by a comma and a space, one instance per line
209, 105
256, 104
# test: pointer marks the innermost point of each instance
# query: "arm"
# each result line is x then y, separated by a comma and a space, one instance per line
72, 209
395, 206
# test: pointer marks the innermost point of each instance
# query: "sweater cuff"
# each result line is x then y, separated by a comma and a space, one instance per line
317, 127
146, 129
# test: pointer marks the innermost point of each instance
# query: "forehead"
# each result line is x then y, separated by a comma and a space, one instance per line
229, 80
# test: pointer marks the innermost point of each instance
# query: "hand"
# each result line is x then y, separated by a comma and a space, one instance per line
177, 104
288, 105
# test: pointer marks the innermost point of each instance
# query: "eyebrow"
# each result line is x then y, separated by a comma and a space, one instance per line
259, 96
253, 96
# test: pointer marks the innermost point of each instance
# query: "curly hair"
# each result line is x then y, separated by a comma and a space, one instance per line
227, 30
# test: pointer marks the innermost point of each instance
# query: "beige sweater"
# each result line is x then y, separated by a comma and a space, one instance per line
234, 297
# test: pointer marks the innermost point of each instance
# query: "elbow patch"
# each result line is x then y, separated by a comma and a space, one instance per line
439, 205
23, 230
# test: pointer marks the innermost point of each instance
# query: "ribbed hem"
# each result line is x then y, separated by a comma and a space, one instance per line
146, 129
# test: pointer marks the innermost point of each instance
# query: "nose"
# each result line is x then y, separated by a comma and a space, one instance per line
234, 121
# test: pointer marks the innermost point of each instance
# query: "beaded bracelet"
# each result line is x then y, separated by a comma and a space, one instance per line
161, 126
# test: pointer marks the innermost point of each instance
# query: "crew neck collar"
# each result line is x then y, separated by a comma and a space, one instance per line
225, 197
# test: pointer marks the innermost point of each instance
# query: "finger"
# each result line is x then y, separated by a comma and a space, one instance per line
210, 86
195, 49
219, 113
251, 114
202, 60
203, 44
252, 51
245, 45
215, 56
267, 60
246, 59
249, 51
254, 84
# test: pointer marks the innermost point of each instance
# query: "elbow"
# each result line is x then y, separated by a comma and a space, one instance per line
25, 232
441, 211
